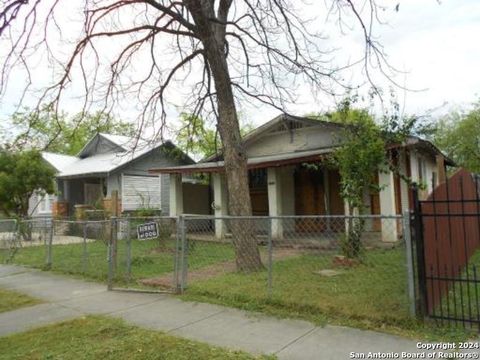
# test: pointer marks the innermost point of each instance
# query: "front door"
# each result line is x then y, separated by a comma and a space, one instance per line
257, 179
93, 193
309, 198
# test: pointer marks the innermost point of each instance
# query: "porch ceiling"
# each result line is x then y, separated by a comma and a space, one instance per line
252, 163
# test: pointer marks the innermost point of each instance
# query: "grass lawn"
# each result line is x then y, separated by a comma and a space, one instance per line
11, 300
463, 297
105, 338
372, 295
147, 258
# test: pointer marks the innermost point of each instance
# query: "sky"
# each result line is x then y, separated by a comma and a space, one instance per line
436, 48
438, 45
434, 45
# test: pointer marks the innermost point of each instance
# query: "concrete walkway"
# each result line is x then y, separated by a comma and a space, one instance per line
67, 298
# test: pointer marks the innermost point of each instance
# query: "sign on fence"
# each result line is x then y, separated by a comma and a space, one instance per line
147, 231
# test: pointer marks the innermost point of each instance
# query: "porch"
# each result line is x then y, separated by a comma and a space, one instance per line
288, 185
77, 195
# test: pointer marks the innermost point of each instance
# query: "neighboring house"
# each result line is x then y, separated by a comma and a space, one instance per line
110, 163
42, 205
280, 184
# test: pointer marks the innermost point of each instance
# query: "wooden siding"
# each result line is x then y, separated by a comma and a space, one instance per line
309, 198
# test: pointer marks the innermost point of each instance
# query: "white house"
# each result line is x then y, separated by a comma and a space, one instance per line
281, 184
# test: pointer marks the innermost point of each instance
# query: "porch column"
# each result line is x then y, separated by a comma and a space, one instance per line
414, 175
176, 195
403, 183
274, 182
387, 206
441, 172
66, 189
221, 205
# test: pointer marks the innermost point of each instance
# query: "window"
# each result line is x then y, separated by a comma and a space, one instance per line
141, 192
257, 178
45, 203
422, 170
434, 179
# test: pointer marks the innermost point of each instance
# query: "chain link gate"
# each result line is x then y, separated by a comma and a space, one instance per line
143, 254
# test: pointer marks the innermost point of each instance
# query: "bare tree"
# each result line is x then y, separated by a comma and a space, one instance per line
226, 52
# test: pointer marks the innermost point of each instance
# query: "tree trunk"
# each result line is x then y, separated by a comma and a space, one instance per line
212, 36
352, 245
239, 204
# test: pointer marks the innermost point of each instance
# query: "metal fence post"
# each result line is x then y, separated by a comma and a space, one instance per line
111, 253
184, 255
176, 257
270, 258
114, 234
84, 253
409, 258
129, 251
49, 244
420, 253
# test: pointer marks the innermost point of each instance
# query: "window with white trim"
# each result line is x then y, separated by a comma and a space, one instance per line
45, 203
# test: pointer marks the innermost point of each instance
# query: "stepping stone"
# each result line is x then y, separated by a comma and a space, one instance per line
328, 272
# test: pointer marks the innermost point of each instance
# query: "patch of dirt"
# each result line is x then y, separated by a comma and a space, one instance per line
161, 250
211, 271
340, 260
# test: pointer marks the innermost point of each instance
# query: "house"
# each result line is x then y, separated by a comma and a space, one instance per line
42, 205
281, 184
109, 163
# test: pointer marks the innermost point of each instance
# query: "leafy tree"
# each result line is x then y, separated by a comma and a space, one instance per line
63, 134
22, 174
458, 135
194, 136
361, 154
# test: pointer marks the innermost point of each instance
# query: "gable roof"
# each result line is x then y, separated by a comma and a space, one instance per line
291, 122
287, 122
416, 142
122, 151
110, 143
103, 164
120, 140
58, 161
280, 122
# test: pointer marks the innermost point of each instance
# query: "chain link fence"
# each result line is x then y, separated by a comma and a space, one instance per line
80, 248
358, 267
8, 239
71, 247
19, 238
350, 266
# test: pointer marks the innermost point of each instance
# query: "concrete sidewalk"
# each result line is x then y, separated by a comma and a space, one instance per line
289, 339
